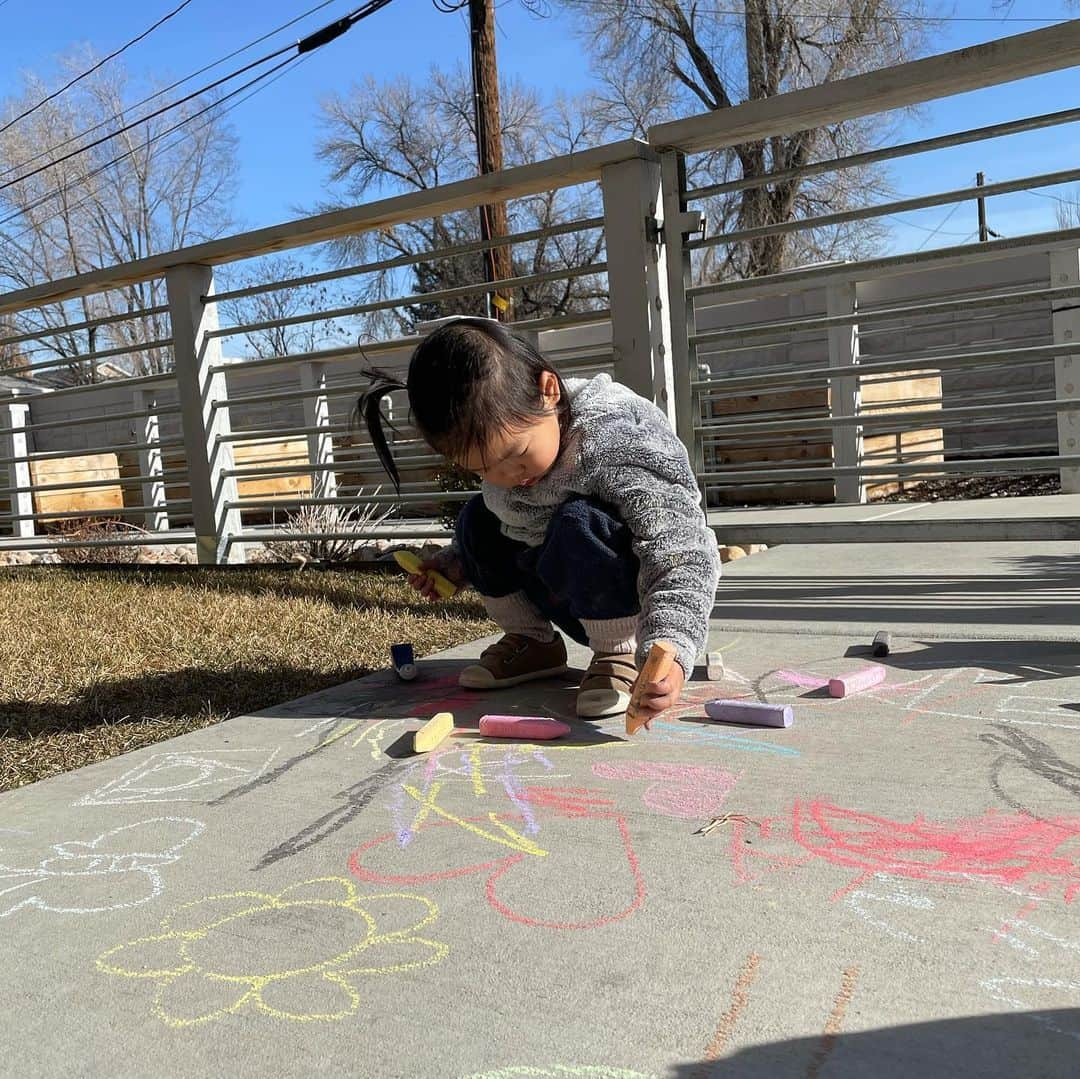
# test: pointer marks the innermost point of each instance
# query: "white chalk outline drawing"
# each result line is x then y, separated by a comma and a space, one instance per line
137, 787
1006, 706
992, 986
899, 896
114, 860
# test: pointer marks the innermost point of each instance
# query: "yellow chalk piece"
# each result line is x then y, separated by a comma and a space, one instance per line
411, 564
433, 732
657, 664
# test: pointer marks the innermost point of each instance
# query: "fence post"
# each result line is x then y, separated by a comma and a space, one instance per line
678, 223
320, 443
148, 432
844, 395
200, 385
15, 442
1065, 270
638, 281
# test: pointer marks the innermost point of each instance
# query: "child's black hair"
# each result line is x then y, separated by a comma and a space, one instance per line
467, 381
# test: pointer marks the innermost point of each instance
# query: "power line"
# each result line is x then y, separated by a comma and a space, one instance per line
308, 44
295, 61
305, 47
941, 225
101, 63
166, 89
144, 119
41, 200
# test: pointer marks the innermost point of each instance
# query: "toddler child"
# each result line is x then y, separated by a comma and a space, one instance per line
588, 519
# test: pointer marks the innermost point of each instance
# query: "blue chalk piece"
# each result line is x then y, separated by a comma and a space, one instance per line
401, 655
755, 713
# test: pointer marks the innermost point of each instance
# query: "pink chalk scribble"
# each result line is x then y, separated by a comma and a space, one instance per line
1000, 849
807, 681
685, 791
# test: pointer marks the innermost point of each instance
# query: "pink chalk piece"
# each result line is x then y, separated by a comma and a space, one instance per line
857, 682
531, 727
752, 713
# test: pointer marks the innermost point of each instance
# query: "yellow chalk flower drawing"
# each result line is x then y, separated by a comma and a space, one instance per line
296, 955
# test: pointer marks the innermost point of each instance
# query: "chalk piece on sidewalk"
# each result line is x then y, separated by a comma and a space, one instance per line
752, 713
714, 666
433, 732
657, 665
525, 727
857, 682
882, 640
411, 564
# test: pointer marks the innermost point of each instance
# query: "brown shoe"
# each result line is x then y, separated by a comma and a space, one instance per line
605, 689
515, 659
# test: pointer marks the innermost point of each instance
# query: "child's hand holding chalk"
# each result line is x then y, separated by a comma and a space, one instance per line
658, 687
434, 578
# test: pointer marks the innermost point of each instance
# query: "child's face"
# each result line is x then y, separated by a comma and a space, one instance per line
521, 456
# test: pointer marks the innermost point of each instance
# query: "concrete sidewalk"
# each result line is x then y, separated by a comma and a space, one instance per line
887, 892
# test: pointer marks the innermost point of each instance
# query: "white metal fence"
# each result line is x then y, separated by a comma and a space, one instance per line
818, 383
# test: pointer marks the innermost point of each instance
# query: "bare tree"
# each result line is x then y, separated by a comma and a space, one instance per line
666, 58
1068, 211
412, 135
136, 194
280, 304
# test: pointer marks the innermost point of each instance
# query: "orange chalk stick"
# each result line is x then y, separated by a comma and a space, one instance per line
657, 665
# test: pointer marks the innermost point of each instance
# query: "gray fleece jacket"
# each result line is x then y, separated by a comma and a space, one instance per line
621, 450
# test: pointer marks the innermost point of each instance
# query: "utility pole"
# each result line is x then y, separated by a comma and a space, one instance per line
485, 74
984, 232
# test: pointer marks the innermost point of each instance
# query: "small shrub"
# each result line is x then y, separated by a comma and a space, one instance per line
95, 530
353, 524
452, 477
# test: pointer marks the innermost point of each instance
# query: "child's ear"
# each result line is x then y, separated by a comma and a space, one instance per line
549, 388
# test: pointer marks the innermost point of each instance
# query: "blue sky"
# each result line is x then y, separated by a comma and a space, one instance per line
278, 127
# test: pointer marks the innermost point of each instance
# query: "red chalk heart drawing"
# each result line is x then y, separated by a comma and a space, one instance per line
600, 855
685, 791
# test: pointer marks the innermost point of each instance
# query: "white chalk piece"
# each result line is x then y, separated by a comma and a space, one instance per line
752, 713
714, 667
857, 682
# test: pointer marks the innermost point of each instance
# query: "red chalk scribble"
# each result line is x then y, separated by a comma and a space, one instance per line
684, 791
998, 848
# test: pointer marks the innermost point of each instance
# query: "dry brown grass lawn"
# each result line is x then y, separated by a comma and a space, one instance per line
94, 664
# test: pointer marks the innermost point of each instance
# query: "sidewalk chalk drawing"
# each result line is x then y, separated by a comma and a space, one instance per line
533, 841
999, 849
952, 693
1029, 996
304, 954
191, 776
686, 791
113, 871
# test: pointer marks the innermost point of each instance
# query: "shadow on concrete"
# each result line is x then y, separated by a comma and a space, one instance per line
384, 696
1022, 662
1007, 1045
184, 694
893, 600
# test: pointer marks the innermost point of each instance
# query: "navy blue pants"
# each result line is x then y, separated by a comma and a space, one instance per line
585, 568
